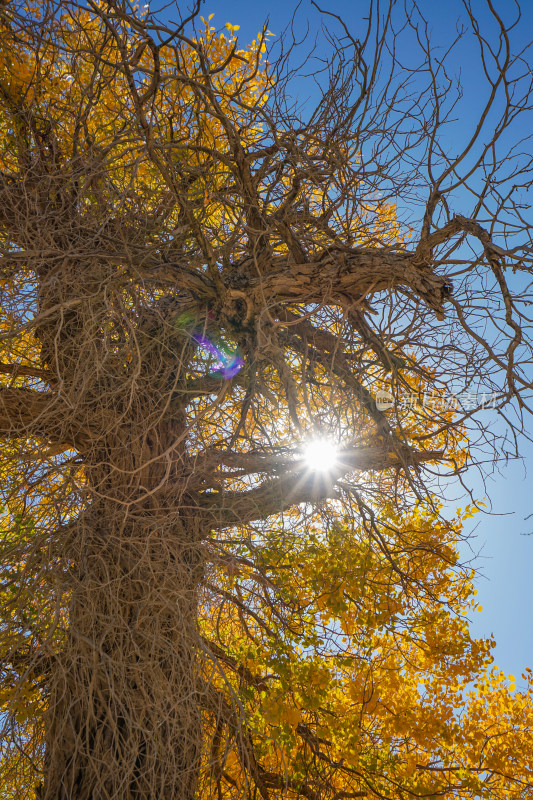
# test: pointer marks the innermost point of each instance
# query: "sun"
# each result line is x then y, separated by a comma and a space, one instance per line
320, 455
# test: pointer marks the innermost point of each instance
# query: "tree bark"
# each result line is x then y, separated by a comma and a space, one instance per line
123, 717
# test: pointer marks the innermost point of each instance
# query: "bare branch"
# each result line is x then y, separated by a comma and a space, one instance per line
297, 486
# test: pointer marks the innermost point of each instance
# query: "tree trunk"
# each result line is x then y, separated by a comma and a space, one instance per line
123, 719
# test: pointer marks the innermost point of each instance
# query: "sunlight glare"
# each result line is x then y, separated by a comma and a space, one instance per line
320, 455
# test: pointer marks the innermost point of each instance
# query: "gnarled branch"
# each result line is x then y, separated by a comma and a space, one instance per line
298, 485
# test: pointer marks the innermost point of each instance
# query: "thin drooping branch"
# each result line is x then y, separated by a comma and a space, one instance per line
28, 413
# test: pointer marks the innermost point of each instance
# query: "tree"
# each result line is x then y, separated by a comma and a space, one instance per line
198, 277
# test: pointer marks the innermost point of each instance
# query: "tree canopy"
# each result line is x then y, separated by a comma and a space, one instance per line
201, 275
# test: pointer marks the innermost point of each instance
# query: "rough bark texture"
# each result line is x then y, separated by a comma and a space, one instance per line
124, 719
195, 280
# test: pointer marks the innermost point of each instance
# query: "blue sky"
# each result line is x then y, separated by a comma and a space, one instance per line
504, 556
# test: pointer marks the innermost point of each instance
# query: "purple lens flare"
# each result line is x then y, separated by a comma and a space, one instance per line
230, 363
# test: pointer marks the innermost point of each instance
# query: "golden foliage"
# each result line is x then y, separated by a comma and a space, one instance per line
175, 325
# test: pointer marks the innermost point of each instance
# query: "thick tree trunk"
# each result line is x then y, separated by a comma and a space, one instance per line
123, 719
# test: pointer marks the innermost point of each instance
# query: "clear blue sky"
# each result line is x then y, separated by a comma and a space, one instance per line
505, 555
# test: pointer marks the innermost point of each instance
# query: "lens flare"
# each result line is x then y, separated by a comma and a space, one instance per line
230, 363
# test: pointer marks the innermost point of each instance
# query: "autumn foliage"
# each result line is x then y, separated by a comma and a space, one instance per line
195, 281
